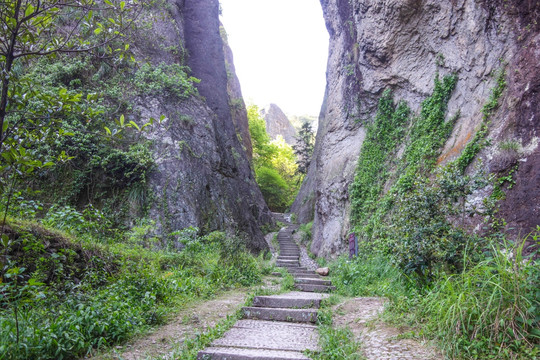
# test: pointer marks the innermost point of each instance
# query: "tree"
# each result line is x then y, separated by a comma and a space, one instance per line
274, 163
304, 147
33, 29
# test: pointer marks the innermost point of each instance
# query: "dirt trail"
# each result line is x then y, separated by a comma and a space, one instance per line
195, 318
379, 341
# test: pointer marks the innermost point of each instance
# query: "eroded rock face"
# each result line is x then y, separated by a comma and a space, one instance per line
402, 45
203, 176
277, 123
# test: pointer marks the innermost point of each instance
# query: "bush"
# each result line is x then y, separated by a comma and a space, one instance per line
97, 295
165, 79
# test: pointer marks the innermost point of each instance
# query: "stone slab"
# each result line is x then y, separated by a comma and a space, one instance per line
271, 335
293, 300
302, 280
314, 288
230, 353
280, 314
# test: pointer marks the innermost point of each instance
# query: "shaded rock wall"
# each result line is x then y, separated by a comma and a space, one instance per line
277, 123
203, 176
236, 101
401, 45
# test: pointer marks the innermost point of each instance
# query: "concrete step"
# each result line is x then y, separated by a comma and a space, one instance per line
270, 335
280, 314
302, 280
314, 288
233, 353
291, 300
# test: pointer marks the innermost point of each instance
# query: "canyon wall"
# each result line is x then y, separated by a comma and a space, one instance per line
277, 123
203, 176
402, 45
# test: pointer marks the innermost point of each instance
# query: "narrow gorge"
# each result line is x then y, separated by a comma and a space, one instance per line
151, 209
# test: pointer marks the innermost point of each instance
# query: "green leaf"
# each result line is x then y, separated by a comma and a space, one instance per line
122, 5
135, 125
108, 131
5, 125
5, 240
122, 120
29, 10
98, 30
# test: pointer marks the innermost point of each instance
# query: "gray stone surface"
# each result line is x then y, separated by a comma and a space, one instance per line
314, 288
397, 44
295, 299
201, 166
277, 123
315, 281
230, 353
280, 314
256, 334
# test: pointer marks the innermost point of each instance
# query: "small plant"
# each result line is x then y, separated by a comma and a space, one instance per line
510, 146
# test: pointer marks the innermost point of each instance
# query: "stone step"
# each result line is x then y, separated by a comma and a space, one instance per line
270, 335
292, 300
302, 280
287, 257
233, 353
306, 276
280, 314
288, 261
314, 288
287, 253
289, 266
303, 271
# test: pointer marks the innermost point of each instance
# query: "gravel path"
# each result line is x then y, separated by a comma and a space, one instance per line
379, 341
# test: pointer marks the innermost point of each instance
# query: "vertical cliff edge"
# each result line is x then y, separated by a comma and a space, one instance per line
203, 176
402, 45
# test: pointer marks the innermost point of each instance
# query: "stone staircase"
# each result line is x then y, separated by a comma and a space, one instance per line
278, 327
289, 258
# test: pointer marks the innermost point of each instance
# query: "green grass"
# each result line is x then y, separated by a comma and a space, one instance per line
490, 310
63, 297
336, 343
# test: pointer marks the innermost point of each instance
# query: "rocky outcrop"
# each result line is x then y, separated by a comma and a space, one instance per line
236, 101
203, 176
277, 123
402, 45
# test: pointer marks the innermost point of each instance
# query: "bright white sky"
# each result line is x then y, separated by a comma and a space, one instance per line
280, 51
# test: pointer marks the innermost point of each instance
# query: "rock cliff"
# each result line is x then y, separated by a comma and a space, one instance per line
203, 176
401, 45
277, 123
